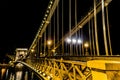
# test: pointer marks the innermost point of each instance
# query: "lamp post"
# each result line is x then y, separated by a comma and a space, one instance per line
86, 45
49, 43
32, 53
75, 42
32, 50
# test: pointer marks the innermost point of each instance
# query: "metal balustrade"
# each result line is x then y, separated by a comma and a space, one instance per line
62, 69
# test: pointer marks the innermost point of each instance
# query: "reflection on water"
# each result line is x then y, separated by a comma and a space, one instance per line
18, 71
19, 75
12, 77
12, 73
3, 70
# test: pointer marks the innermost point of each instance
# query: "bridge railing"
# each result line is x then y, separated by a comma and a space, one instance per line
96, 68
59, 69
74, 68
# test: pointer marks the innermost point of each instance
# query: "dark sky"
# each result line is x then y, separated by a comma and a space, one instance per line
20, 20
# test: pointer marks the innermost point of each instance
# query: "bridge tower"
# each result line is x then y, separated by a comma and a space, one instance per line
21, 53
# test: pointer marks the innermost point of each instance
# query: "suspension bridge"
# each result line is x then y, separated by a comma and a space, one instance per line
73, 42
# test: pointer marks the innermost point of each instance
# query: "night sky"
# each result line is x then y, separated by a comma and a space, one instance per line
20, 20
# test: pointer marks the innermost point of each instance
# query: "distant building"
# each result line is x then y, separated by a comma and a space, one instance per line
21, 53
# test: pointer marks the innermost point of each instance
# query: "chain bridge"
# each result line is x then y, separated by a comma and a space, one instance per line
73, 42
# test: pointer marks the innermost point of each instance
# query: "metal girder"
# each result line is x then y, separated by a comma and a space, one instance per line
44, 26
84, 21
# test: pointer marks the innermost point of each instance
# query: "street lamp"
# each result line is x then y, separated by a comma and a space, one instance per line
74, 41
53, 50
68, 40
86, 45
49, 43
79, 41
32, 50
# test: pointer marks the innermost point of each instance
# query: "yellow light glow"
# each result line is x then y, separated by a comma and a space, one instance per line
3, 71
53, 50
86, 45
32, 50
49, 42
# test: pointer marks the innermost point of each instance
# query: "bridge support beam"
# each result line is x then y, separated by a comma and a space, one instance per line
104, 69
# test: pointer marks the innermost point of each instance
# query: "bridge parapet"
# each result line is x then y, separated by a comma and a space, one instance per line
104, 69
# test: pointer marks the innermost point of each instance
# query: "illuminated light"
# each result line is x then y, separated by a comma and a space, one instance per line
79, 41
42, 24
49, 77
68, 40
41, 53
3, 71
49, 6
43, 21
32, 50
86, 45
53, 50
51, 2
47, 12
44, 18
49, 42
44, 74
40, 72
46, 15
74, 41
